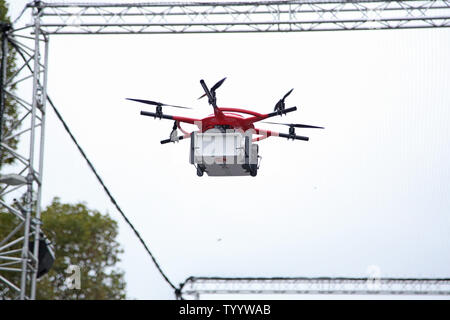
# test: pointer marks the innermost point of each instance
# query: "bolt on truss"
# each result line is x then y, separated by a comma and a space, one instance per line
245, 16
195, 287
21, 183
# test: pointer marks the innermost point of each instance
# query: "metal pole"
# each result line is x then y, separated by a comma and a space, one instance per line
31, 173
41, 167
3, 70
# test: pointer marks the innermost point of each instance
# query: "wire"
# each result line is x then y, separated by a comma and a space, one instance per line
20, 15
91, 166
113, 200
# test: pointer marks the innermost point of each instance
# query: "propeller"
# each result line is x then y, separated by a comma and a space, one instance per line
214, 88
158, 104
295, 125
218, 84
280, 104
289, 92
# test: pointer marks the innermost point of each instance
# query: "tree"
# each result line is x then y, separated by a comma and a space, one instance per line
87, 239
84, 238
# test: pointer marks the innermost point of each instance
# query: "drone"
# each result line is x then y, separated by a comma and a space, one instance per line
225, 142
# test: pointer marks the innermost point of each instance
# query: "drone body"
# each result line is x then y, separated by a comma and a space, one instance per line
224, 144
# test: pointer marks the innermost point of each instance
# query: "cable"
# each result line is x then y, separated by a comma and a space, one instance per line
91, 166
113, 200
20, 15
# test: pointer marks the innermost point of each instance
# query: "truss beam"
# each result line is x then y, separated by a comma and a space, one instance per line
194, 287
236, 17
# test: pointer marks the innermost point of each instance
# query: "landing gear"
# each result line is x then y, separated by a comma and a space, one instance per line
174, 133
253, 170
199, 171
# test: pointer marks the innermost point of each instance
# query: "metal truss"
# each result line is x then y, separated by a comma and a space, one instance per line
195, 287
245, 16
20, 188
29, 43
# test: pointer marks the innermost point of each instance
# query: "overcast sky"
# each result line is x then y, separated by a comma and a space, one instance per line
371, 189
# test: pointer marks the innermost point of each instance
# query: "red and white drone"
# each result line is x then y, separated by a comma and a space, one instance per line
224, 144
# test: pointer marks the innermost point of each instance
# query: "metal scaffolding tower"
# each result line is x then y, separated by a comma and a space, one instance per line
30, 45
23, 183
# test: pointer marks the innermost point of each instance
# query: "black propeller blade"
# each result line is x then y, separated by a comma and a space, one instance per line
154, 103
214, 88
280, 104
287, 94
296, 125
218, 84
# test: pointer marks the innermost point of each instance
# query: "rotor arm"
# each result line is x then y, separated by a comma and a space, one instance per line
169, 117
269, 133
293, 137
257, 118
155, 115
277, 113
179, 138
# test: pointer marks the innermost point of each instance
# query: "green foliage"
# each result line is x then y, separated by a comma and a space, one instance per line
8, 223
85, 238
10, 115
81, 237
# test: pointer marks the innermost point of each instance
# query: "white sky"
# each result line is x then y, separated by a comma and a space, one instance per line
371, 189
